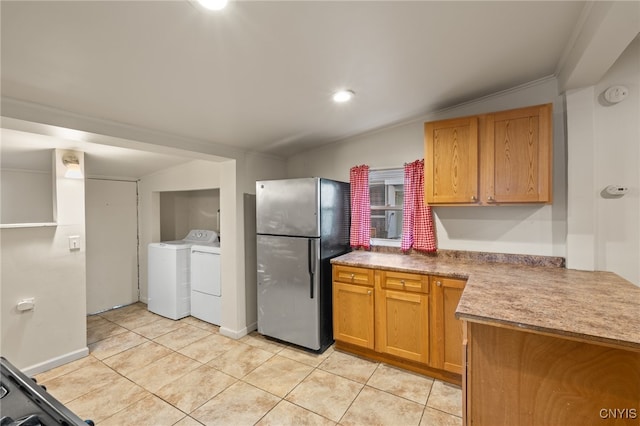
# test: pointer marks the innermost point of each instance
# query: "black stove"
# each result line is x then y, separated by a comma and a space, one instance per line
25, 403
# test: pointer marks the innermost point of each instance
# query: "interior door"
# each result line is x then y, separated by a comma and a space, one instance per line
288, 289
112, 243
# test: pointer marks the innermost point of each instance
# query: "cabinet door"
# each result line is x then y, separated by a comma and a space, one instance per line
517, 157
451, 161
403, 319
353, 314
446, 344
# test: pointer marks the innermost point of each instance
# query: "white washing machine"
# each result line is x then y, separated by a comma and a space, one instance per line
206, 291
169, 277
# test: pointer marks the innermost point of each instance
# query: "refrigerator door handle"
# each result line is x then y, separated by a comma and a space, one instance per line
311, 258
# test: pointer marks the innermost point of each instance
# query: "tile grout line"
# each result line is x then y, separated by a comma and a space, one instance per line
359, 392
242, 379
173, 351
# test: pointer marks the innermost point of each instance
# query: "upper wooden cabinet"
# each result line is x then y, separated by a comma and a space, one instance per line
490, 159
451, 161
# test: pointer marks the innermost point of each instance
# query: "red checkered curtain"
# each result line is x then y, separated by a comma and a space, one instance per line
360, 207
417, 223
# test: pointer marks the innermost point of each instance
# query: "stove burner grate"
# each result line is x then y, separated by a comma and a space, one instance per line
29, 403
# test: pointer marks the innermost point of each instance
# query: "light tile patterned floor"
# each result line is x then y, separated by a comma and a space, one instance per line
144, 369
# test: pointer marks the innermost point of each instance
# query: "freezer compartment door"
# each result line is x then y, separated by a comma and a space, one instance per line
288, 207
289, 289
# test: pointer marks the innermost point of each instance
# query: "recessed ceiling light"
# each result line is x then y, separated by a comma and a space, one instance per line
213, 4
343, 95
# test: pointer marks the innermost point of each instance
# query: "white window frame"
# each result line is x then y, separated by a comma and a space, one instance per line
380, 173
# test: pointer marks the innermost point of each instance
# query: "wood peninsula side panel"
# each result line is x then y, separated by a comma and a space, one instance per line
522, 378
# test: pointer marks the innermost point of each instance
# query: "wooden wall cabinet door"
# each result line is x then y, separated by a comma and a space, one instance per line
353, 306
451, 161
502, 157
446, 329
516, 163
402, 315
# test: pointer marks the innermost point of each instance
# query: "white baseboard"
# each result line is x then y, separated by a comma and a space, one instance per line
55, 362
237, 334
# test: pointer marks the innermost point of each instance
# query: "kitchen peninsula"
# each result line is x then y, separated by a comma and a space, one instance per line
541, 344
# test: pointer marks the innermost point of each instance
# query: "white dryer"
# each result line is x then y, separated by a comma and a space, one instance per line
206, 288
169, 275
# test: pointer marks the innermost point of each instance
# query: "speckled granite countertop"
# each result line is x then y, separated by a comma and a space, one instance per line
593, 306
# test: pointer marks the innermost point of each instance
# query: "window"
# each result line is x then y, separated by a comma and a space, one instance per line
386, 193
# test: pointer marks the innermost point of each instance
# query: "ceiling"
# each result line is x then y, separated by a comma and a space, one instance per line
29, 151
259, 75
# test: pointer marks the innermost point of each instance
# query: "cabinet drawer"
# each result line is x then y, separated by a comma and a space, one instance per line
353, 275
404, 281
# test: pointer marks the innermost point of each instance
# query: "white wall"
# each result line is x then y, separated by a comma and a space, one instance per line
233, 178
254, 167
538, 229
27, 196
239, 178
604, 149
617, 135
181, 211
37, 262
195, 175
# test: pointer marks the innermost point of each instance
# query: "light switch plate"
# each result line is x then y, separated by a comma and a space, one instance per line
74, 242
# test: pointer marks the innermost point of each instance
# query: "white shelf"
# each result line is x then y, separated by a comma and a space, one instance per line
27, 225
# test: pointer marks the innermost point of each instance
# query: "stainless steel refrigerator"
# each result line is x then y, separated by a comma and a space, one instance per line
301, 224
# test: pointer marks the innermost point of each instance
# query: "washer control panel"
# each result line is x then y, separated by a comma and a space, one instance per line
201, 236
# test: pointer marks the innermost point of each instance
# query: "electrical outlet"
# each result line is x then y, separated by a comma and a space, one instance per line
26, 304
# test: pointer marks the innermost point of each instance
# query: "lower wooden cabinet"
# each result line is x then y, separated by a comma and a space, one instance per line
403, 324
405, 319
353, 314
353, 306
446, 329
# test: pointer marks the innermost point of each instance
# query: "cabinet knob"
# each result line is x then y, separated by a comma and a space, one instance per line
402, 282
353, 276
369, 292
490, 199
439, 283
474, 198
